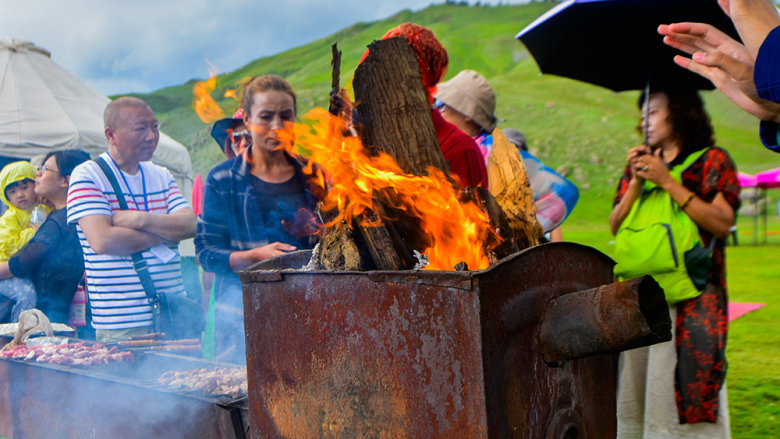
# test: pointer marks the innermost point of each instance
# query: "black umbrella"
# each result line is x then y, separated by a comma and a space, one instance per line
615, 43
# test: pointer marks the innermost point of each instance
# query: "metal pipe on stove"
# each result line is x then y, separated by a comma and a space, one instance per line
607, 319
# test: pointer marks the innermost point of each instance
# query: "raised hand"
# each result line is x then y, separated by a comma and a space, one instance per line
722, 60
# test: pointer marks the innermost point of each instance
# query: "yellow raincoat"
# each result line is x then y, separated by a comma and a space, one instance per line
15, 230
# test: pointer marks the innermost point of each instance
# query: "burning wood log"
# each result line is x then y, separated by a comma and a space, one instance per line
499, 221
509, 184
390, 95
337, 250
412, 204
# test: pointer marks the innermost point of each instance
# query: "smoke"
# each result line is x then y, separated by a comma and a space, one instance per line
106, 401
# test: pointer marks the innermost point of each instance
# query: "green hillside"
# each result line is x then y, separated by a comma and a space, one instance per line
570, 125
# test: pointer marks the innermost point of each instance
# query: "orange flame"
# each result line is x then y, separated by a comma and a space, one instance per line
231, 93
204, 105
355, 180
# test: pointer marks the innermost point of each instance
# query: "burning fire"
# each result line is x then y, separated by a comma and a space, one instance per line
204, 105
231, 93
202, 102
356, 180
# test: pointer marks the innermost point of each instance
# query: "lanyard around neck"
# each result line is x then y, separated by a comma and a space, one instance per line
143, 184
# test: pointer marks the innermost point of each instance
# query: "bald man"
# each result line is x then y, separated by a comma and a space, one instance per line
158, 217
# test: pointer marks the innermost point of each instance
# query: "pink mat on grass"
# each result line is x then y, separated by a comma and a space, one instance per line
738, 309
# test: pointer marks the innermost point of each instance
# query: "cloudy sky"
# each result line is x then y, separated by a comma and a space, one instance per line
143, 45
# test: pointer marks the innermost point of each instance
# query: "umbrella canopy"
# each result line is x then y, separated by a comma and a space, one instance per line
615, 43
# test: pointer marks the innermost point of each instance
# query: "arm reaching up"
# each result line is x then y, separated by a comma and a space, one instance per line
722, 60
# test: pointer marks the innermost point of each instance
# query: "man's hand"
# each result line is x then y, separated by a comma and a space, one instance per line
722, 60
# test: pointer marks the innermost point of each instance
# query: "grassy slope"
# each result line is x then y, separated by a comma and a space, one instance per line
582, 128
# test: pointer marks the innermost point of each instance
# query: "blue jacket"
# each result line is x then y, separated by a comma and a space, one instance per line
229, 205
766, 76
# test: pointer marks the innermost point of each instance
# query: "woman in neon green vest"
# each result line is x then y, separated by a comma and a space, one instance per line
677, 389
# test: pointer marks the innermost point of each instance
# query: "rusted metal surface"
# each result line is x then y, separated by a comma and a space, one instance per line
527, 398
41, 400
359, 355
423, 354
609, 319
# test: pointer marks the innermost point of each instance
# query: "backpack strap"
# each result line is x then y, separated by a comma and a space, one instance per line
139, 263
685, 165
688, 162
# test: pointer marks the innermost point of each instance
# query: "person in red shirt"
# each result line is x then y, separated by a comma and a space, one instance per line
460, 151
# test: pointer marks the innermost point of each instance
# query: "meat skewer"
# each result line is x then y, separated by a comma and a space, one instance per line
149, 343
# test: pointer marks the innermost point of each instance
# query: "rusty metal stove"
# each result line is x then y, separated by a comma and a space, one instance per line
442, 354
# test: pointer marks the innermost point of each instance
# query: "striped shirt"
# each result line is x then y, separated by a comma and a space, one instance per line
116, 296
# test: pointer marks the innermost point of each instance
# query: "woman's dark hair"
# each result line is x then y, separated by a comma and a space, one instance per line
67, 160
691, 124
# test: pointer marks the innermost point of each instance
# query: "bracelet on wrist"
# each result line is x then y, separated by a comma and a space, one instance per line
685, 203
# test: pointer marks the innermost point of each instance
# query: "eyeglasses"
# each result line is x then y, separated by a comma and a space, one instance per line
236, 137
439, 105
44, 168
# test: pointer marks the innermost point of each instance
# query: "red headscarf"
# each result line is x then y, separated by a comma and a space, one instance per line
430, 53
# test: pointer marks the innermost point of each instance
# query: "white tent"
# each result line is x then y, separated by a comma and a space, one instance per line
44, 108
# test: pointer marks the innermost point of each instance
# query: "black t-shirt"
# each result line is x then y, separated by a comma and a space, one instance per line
278, 204
54, 263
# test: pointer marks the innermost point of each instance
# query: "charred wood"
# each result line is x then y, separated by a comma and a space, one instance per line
503, 243
337, 251
335, 100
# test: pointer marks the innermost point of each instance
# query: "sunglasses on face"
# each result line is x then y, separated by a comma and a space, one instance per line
237, 136
439, 105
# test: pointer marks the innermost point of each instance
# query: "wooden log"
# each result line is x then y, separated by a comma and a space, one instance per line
392, 101
503, 243
509, 184
393, 117
338, 251
384, 243
393, 105
335, 63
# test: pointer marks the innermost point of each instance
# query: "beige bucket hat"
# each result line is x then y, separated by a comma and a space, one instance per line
469, 93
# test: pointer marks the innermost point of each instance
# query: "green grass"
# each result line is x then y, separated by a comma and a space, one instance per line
754, 342
571, 126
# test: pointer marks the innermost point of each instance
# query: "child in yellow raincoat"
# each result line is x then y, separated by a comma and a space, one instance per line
17, 191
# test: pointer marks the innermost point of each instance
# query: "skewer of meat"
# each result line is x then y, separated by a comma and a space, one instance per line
149, 343
181, 348
149, 336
